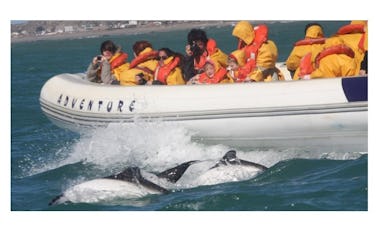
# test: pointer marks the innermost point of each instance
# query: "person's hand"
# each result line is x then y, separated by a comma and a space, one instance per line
98, 59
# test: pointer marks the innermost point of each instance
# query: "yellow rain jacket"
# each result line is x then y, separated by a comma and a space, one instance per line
174, 75
312, 43
338, 63
147, 67
357, 40
119, 69
267, 53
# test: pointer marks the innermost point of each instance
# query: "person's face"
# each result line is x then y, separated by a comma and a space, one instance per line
232, 65
200, 44
209, 70
107, 54
161, 57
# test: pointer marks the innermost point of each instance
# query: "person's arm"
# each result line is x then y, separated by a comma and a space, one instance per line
106, 74
92, 72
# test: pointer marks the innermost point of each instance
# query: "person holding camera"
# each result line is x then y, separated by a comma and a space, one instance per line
200, 49
107, 67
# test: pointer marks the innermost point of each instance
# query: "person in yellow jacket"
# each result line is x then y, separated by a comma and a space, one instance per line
107, 67
168, 71
260, 53
355, 35
335, 60
142, 67
235, 63
312, 43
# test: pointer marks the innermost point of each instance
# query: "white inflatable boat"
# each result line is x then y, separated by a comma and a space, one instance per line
331, 113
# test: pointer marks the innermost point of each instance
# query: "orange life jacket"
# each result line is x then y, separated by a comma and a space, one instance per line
261, 36
310, 41
211, 47
162, 72
218, 76
353, 29
306, 67
143, 58
339, 49
116, 62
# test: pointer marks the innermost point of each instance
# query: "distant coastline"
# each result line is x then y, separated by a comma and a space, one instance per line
124, 31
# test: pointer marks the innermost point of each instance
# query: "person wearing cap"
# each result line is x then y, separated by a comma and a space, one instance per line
312, 43
107, 67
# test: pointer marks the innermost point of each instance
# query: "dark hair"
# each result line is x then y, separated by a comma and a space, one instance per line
108, 45
197, 34
168, 51
139, 46
310, 25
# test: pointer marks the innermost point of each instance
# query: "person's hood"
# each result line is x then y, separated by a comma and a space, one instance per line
244, 31
333, 41
314, 31
238, 55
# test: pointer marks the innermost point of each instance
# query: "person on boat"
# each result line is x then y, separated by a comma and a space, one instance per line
107, 67
312, 43
260, 53
355, 35
168, 71
235, 62
142, 67
364, 65
198, 50
213, 73
335, 60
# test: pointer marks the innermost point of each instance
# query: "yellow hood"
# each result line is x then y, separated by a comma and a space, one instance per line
238, 55
244, 31
314, 32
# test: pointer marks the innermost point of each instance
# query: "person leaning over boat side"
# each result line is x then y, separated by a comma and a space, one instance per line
260, 53
355, 35
107, 67
142, 67
335, 60
168, 71
213, 73
312, 43
198, 50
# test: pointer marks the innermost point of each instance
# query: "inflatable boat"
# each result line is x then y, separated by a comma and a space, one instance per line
306, 114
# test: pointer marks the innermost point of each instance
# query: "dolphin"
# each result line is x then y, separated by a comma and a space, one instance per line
230, 158
132, 183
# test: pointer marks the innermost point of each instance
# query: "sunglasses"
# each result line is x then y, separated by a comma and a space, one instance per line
161, 57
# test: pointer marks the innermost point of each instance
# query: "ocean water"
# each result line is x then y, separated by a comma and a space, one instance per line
47, 160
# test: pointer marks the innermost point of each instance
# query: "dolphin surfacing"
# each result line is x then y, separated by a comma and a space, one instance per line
131, 184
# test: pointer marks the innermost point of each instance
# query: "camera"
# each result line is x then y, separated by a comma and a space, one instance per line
141, 80
99, 57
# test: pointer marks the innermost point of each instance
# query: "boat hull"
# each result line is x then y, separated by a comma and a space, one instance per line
318, 114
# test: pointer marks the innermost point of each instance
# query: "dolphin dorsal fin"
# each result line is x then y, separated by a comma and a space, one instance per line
175, 173
131, 174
